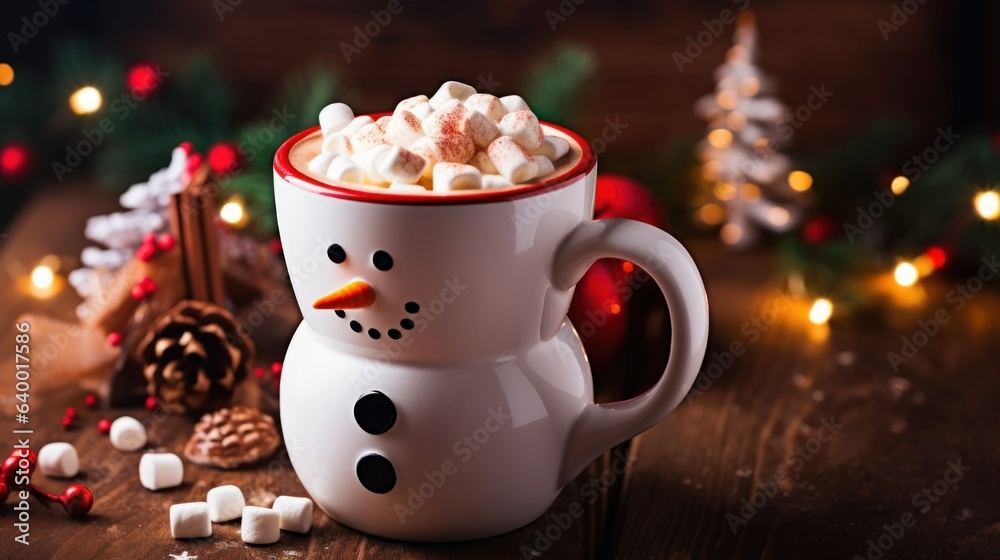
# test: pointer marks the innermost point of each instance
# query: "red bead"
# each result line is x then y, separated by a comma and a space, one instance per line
114, 338
151, 402
67, 422
147, 284
166, 242
15, 161
76, 499
91, 400
148, 238
276, 368
186, 146
145, 252
104, 426
224, 158
71, 412
138, 292
142, 79
258, 372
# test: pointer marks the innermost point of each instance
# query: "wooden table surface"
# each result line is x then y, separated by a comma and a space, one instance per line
805, 445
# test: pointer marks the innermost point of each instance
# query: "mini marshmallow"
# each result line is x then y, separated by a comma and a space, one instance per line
335, 117
357, 124
370, 161
401, 165
492, 182
456, 148
367, 137
59, 459
404, 129
514, 103
512, 160
338, 144
480, 128
127, 434
407, 188
449, 91
553, 147
190, 521
486, 104
522, 126
422, 111
411, 102
225, 503
160, 470
446, 120
482, 162
343, 168
544, 166
322, 161
296, 514
382, 122
456, 177
260, 525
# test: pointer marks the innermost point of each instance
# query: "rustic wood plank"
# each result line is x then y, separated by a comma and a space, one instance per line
900, 432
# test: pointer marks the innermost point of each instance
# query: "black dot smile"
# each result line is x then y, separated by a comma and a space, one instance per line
411, 307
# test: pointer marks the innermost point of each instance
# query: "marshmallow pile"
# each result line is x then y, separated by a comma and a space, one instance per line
258, 525
455, 140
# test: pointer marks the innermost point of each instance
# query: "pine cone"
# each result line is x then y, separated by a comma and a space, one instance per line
232, 437
194, 356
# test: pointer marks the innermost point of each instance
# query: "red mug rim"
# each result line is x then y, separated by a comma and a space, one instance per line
284, 167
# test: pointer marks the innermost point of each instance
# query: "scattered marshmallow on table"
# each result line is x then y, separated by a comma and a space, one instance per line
190, 521
59, 459
296, 514
160, 470
127, 434
225, 503
260, 525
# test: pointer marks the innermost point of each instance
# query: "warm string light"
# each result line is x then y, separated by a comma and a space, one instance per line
899, 185
6, 74
720, 138
85, 100
232, 212
821, 311
906, 274
987, 205
43, 277
800, 181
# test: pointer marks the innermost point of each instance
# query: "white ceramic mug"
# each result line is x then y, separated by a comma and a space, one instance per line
450, 398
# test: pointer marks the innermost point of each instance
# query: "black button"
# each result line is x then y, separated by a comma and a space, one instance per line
375, 413
376, 474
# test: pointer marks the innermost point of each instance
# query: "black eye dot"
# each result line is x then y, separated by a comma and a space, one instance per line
355, 326
412, 307
394, 334
406, 324
374, 334
336, 253
382, 260
340, 313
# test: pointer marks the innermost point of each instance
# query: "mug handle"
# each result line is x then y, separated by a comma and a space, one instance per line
600, 427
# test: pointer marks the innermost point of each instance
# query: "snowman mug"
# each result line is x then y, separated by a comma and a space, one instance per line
436, 390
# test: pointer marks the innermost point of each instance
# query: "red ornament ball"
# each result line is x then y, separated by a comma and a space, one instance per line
114, 338
104, 426
142, 79
15, 161
224, 158
91, 400
151, 403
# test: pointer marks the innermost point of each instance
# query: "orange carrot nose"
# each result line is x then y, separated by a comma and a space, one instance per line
356, 295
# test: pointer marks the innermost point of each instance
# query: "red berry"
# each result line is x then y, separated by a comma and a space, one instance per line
186, 146
104, 425
151, 402
67, 422
76, 499
71, 412
148, 238
145, 252
91, 400
147, 284
13, 463
276, 368
114, 338
138, 292
166, 242
258, 372
274, 245
224, 157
